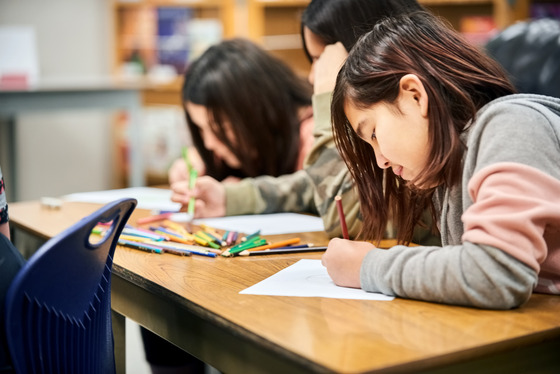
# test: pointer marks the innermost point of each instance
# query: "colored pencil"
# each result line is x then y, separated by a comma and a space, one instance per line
185, 252
281, 243
140, 246
254, 242
213, 234
176, 227
151, 232
139, 239
281, 251
175, 249
152, 219
249, 245
179, 252
229, 239
225, 236
234, 237
343, 226
296, 246
248, 237
142, 234
193, 174
200, 239
247, 242
174, 237
209, 237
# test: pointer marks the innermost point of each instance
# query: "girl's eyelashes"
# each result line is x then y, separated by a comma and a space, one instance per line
373, 135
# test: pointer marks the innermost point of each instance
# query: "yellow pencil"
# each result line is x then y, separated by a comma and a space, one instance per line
176, 227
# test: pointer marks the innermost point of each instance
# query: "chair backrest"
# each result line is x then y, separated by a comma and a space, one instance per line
530, 52
58, 308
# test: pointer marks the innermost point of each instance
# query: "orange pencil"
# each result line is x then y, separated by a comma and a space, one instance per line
174, 238
281, 243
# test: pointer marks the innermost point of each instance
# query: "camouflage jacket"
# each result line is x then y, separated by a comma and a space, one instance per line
310, 190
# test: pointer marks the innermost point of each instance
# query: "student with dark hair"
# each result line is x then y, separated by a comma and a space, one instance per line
332, 21
248, 115
311, 190
421, 116
247, 112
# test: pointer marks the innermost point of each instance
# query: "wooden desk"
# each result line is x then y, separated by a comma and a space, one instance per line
195, 303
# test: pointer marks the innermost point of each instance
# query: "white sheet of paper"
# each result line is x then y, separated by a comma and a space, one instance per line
269, 224
148, 198
308, 278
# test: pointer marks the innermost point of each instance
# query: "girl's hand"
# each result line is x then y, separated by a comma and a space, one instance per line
209, 194
178, 170
327, 66
343, 260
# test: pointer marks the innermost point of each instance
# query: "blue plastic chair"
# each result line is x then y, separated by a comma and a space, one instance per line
58, 308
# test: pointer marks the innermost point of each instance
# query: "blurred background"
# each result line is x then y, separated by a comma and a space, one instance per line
62, 144
74, 45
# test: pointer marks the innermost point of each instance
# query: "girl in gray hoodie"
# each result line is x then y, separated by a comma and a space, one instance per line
420, 116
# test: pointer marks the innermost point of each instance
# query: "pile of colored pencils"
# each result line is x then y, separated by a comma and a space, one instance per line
158, 234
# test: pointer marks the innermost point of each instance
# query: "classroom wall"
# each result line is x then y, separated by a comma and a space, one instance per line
64, 152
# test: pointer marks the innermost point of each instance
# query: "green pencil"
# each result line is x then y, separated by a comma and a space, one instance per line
193, 174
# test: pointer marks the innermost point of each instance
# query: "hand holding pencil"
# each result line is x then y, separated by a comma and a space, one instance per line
341, 217
178, 170
209, 197
184, 192
343, 260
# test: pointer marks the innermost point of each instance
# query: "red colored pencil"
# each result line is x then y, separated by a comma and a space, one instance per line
338, 200
151, 219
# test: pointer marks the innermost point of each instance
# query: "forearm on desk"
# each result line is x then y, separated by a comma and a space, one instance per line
468, 274
265, 194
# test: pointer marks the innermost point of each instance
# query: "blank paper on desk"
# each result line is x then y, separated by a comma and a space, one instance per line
308, 278
269, 224
148, 197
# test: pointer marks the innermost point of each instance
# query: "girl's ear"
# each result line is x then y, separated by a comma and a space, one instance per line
411, 87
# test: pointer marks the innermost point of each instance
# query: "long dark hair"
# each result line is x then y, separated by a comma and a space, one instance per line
346, 20
458, 80
259, 95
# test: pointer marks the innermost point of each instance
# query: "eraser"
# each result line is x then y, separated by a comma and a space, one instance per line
51, 202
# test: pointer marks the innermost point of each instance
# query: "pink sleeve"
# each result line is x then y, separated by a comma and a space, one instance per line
515, 208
